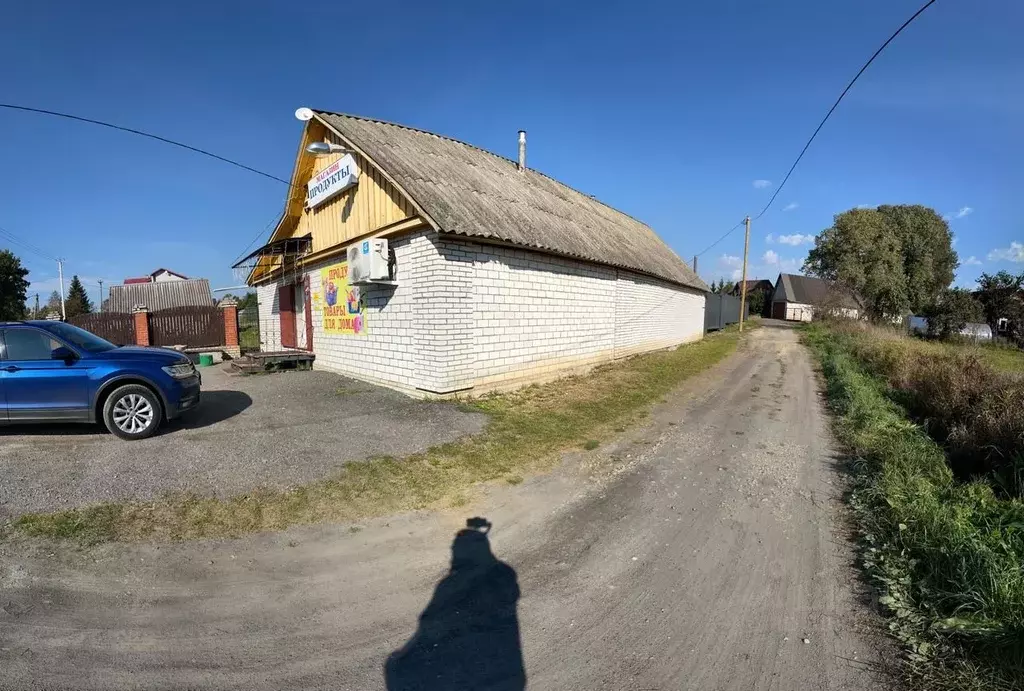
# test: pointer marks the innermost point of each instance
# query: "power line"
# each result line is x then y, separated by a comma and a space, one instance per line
838, 100
273, 221
727, 234
822, 124
42, 111
24, 244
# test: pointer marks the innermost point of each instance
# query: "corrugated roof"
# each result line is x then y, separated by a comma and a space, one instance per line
807, 290
159, 295
468, 191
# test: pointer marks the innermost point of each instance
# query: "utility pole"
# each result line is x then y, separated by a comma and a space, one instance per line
743, 288
60, 272
101, 296
695, 263
35, 315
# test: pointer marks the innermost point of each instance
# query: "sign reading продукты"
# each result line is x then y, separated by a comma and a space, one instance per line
333, 179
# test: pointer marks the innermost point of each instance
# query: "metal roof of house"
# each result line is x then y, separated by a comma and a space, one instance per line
468, 191
160, 295
807, 290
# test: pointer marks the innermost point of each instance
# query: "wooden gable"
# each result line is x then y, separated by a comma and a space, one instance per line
373, 206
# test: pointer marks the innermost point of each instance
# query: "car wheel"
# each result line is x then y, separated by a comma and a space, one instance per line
132, 412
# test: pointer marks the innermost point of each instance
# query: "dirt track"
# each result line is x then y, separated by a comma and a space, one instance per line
705, 556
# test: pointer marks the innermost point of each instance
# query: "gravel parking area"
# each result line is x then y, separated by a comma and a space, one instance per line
257, 431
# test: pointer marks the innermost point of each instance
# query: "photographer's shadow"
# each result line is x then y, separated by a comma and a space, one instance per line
468, 636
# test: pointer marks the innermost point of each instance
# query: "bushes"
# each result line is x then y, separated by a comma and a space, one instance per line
976, 411
947, 555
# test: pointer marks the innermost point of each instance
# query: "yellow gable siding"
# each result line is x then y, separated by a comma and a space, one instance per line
372, 204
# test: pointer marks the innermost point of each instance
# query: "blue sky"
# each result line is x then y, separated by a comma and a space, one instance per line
671, 112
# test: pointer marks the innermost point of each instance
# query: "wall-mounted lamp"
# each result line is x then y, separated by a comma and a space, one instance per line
327, 148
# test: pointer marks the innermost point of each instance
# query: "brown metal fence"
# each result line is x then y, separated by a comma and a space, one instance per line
193, 327
116, 327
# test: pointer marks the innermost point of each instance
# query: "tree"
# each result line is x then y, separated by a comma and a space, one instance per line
248, 302
755, 298
953, 310
862, 252
13, 286
53, 304
78, 300
897, 258
929, 260
1000, 297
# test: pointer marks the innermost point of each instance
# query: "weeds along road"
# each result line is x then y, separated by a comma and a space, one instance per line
703, 551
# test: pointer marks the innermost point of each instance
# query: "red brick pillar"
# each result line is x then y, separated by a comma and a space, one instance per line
229, 307
141, 326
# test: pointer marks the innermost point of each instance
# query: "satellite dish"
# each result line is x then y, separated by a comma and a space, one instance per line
304, 114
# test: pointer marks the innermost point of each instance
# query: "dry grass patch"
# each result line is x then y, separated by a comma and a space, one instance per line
972, 407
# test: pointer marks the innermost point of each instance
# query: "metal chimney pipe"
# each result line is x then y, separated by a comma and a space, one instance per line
522, 151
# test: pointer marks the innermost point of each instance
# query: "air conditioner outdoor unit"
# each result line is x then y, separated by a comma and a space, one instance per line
368, 262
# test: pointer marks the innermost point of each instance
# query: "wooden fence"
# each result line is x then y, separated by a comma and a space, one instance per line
193, 327
116, 327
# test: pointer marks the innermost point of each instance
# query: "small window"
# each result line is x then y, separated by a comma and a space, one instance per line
29, 344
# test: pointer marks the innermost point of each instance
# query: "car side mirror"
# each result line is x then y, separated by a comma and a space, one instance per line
63, 353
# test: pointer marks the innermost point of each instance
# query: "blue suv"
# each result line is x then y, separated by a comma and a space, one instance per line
55, 372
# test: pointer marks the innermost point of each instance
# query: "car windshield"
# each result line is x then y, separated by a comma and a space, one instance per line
80, 338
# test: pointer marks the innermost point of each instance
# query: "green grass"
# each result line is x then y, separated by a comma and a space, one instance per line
249, 337
526, 432
1007, 359
946, 555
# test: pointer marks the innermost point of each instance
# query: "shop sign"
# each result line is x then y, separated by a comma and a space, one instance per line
332, 180
344, 312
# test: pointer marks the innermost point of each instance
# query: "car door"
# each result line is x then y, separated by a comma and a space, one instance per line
38, 387
3, 397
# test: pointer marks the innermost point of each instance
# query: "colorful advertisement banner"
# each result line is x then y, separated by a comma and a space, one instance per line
343, 309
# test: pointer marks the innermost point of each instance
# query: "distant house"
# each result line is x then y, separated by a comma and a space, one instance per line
167, 275
160, 295
157, 276
758, 285
796, 298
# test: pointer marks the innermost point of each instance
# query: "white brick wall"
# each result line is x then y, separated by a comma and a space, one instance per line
387, 354
654, 315
270, 321
469, 315
535, 315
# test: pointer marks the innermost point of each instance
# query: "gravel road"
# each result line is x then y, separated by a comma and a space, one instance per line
703, 551
258, 431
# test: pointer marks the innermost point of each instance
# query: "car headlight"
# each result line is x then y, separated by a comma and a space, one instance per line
182, 370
